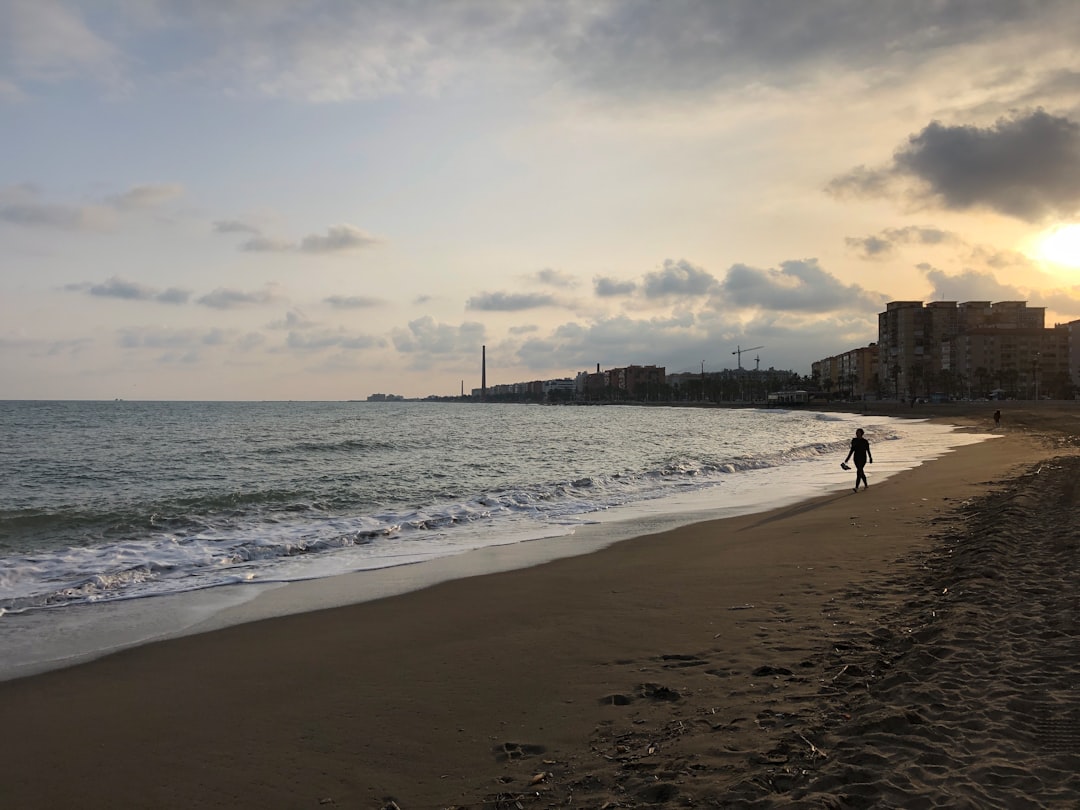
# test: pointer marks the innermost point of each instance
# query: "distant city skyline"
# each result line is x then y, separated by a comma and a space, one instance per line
325, 199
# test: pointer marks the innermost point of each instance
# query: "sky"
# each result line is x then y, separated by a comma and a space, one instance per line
325, 199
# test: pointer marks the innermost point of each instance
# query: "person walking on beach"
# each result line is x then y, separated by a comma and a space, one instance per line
997, 418
860, 450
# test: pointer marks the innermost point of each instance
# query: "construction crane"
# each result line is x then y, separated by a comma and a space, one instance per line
739, 351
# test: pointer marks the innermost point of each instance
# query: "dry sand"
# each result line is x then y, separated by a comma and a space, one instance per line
914, 645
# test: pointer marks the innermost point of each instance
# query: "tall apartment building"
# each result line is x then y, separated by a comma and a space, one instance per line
915, 341
1022, 362
854, 373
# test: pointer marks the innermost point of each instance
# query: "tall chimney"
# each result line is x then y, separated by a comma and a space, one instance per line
483, 373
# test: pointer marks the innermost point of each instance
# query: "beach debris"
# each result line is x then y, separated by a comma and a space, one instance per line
616, 700
741, 607
538, 778
817, 752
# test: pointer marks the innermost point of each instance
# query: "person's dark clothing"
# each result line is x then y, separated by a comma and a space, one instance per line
860, 449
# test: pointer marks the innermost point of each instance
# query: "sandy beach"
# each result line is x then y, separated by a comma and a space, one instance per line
912, 645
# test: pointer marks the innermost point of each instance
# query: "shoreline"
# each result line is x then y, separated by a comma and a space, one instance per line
650, 671
43, 641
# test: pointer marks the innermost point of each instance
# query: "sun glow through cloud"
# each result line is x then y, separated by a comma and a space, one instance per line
1062, 245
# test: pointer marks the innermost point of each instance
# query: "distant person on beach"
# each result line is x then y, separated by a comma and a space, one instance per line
997, 418
860, 450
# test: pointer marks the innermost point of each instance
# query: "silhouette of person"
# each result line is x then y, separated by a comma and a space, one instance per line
860, 450
997, 418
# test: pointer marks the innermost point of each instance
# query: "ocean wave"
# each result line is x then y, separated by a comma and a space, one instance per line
305, 516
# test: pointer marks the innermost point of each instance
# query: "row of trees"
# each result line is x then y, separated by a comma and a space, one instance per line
1015, 384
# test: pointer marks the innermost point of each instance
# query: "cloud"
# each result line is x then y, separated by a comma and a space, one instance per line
884, 243
294, 319
553, 278
605, 287
680, 278
977, 285
352, 302
637, 48
799, 286
969, 285
1026, 166
116, 287
870, 246
338, 238
224, 298
139, 197
23, 205
46, 41
510, 302
426, 337
234, 226
629, 50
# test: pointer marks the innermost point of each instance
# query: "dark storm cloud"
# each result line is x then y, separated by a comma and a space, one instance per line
605, 287
1026, 166
116, 287
509, 302
678, 278
797, 286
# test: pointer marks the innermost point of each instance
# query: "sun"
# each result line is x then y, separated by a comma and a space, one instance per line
1062, 245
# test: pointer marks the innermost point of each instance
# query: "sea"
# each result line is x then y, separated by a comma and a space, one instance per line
124, 522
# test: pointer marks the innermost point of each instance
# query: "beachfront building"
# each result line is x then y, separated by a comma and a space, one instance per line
644, 383
1023, 363
918, 355
850, 375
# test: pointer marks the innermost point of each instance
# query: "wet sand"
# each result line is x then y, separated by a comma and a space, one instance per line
913, 645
